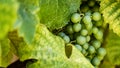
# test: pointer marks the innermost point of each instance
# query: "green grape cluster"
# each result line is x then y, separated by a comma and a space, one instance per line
85, 32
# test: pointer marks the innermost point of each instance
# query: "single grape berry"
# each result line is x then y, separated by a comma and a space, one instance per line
91, 50
88, 38
101, 52
96, 44
91, 3
87, 19
89, 26
88, 13
61, 34
83, 51
99, 35
77, 27
84, 32
95, 30
66, 39
78, 47
96, 16
85, 46
84, 8
99, 23
75, 18
81, 40
70, 29
95, 61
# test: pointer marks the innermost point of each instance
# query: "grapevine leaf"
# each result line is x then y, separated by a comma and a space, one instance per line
49, 50
77, 60
56, 13
31, 5
106, 64
6, 53
8, 14
28, 19
111, 13
113, 48
42, 39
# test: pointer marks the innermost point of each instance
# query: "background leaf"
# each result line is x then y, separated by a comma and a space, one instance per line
28, 19
56, 13
111, 14
106, 64
8, 15
113, 48
28, 23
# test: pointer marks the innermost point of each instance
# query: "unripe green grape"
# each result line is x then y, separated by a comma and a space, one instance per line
77, 27
95, 61
75, 18
91, 3
84, 32
70, 29
96, 16
99, 23
88, 13
85, 46
81, 40
101, 52
78, 47
96, 44
61, 34
95, 30
99, 35
87, 19
83, 51
66, 39
91, 50
84, 8
88, 38
89, 26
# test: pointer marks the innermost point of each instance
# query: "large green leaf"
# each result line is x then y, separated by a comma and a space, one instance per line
113, 48
8, 14
6, 53
42, 38
77, 60
56, 13
28, 19
49, 50
111, 14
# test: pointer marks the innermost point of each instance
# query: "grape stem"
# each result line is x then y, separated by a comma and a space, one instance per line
73, 41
